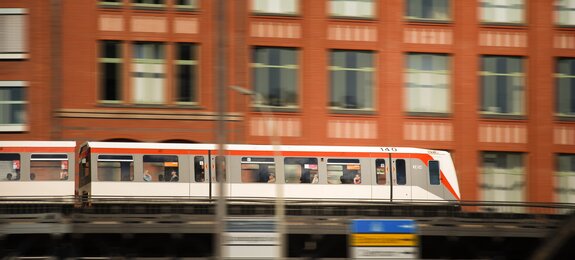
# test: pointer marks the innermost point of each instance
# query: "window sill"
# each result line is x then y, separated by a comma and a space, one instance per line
14, 128
279, 15
428, 114
567, 118
353, 18
149, 7
503, 116
13, 56
110, 5
428, 21
348, 111
500, 25
265, 109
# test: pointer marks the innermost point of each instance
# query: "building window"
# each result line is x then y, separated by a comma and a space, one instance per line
187, 4
565, 178
13, 30
502, 85
275, 76
110, 3
13, 106
110, 71
502, 11
428, 83
148, 75
428, 10
351, 75
186, 72
149, 3
565, 12
502, 177
352, 8
276, 7
565, 87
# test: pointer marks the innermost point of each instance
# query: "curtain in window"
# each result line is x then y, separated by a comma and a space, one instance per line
428, 83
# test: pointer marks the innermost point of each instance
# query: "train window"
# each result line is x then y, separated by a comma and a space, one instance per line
199, 169
381, 171
400, 171
344, 171
434, 172
301, 170
48, 167
220, 168
161, 168
115, 168
258, 170
9, 167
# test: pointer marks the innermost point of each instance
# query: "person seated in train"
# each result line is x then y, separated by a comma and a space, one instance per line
147, 176
272, 178
346, 177
357, 179
9, 176
305, 176
315, 178
161, 177
263, 174
174, 176
63, 174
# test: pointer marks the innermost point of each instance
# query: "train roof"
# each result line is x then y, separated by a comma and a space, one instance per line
251, 147
37, 143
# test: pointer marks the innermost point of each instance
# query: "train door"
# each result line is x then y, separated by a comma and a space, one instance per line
199, 179
400, 177
381, 188
219, 168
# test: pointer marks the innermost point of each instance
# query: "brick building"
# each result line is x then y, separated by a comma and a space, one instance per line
491, 81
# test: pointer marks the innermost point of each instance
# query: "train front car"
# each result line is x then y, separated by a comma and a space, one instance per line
37, 170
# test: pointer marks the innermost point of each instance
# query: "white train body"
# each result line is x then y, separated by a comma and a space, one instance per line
318, 173
37, 169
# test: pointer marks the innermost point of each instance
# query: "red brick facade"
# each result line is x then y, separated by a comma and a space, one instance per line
78, 115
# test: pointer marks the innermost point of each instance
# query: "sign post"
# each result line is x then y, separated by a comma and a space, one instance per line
384, 239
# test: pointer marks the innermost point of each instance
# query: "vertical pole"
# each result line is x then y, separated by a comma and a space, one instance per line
220, 81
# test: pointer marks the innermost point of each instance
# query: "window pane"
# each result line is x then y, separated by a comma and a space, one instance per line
161, 168
343, 171
400, 171
9, 167
275, 76
12, 104
285, 7
427, 83
148, 73
258, 170
565, 87
110, 70
199, 169
351, 79
115, 168
428, 10
381, 171
49, 167
565, 178
502, 85
502, 11
502, 177
434, 172
186, 78
301, 170
352, 8
13, 32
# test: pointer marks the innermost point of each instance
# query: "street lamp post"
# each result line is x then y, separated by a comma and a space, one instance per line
274, 138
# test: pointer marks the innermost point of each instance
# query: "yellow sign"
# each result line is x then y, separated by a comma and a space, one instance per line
384, 240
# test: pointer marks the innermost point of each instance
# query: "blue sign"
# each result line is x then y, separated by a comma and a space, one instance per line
384, 226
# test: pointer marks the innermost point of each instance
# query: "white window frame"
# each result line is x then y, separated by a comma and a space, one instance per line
14, 127
13, 33
275, 7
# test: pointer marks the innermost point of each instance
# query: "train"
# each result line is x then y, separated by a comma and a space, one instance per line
131, 170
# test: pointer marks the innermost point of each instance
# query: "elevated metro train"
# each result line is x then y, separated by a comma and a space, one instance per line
168, 170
